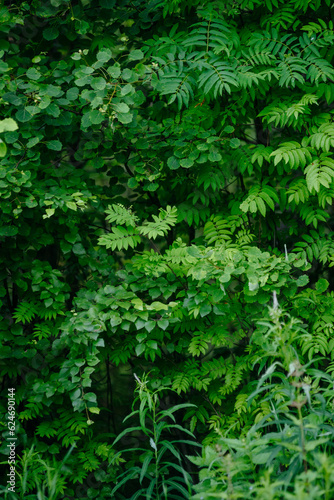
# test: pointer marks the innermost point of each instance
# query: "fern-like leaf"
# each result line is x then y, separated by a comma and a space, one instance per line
120, 238
217, 230
25, 312
161, 225
319, 173
298, 192
292, 70
323, 137
293, 154
211, 35
217, 77
258, 198
319, 70
180, 88
121, 215
42, 331
272, 42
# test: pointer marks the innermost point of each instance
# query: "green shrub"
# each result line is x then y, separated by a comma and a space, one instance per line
161, 473
287, 453
166, 174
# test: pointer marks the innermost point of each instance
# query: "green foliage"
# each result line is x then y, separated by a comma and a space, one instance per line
166, 174
161, 471
129, 236
258, 198
285, 454
50, 480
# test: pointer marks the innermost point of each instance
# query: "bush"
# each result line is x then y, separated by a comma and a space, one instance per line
287, 453
166, 175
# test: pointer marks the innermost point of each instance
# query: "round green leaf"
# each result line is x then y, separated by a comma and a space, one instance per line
8, 125
186, 163
8, 230
98, 83
173, 163
33, 74
78, 249
50, 33
235, 143
135, 55
54, 145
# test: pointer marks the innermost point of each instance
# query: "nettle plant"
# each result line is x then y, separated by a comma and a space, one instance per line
287, 453
162, 472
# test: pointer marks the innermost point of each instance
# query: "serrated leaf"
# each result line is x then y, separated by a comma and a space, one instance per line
121, 107
104, 55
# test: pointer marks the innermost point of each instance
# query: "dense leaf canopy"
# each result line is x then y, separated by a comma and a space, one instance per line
166, 175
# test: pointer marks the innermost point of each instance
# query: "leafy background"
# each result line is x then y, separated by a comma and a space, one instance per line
166, 175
